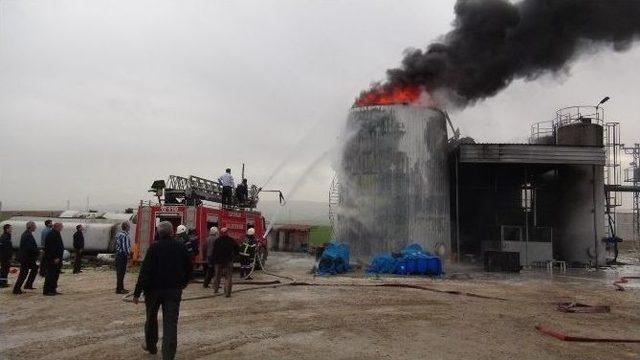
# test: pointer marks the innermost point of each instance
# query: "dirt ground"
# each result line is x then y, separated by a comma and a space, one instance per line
345, 321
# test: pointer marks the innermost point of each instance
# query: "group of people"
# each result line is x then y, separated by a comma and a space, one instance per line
49, 253
29, 252
165, 271
228, 183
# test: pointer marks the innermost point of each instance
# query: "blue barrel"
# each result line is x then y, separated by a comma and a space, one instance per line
412, 264
434, 267
422, 264
401, 267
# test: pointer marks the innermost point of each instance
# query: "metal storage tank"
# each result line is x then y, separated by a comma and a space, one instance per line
394, 180
581, 225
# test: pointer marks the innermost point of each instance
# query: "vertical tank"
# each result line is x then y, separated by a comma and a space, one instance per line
580, 220
394, 180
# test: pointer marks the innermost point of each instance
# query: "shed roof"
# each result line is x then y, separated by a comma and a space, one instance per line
531, 154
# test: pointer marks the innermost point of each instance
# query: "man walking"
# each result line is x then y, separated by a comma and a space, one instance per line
213, 235
27, 255
48, 224
227, 187
164, 273
78, 247
123, 250
6, 252
225, 249
52, 258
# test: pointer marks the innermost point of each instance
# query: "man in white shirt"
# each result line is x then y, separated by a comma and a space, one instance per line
227, 187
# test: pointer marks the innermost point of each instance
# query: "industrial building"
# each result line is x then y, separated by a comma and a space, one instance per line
403, 180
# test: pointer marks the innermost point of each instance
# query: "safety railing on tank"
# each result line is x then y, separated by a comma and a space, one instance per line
542, 130
545, 131
579, 114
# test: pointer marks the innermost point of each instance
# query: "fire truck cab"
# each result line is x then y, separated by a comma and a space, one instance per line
184, 204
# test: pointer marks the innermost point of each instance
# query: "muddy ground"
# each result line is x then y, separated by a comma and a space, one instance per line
351, 321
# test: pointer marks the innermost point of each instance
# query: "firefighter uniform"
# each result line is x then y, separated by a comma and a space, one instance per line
247, 254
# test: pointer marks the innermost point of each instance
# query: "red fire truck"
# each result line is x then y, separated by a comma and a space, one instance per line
197, 203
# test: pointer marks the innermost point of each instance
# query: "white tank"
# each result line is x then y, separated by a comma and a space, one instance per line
394, 180
99, 234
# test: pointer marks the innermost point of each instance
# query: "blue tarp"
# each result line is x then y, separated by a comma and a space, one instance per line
334, 259
411, 260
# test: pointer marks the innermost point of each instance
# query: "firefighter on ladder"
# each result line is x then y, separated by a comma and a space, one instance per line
247, 252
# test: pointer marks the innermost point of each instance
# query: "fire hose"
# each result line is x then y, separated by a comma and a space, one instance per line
564, 337
623, 280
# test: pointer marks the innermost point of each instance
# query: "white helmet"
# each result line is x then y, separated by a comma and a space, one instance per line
181, 229
251, 231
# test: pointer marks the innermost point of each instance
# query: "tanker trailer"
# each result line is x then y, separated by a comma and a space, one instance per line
99, 234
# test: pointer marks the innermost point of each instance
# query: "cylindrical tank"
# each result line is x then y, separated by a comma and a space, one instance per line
578, 239
394, 180
583, 133
99, 234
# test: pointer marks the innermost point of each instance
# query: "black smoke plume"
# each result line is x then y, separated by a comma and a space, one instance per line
494, 42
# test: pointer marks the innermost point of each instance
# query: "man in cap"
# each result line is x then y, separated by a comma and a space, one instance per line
27, 255
227, 187
213, 235
164, 273
52, 258
225, 249
78, 247
123, 250
6, 253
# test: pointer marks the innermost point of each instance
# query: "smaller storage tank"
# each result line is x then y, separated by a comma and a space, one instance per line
580, 219
580, 133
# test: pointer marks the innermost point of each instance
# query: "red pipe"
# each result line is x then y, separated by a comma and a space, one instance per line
623, 280
564, 337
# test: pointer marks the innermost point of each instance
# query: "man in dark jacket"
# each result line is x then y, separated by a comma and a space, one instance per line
225, 249
48, 225
27, 255
78, 247
52, 259
165, 272
242, 193
6, 252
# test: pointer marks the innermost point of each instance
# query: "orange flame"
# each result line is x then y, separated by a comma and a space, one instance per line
388, 95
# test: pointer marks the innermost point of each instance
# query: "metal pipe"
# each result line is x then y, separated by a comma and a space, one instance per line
526, 216
595, 224
458, 206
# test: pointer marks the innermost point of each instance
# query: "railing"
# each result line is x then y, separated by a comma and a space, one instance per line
575, 114
541, 130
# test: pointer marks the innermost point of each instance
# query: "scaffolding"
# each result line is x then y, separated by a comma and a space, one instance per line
632, 175
612, 174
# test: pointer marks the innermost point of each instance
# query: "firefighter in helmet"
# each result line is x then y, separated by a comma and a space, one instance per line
247, 252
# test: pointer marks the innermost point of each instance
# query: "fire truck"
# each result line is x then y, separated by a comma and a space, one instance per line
197, 203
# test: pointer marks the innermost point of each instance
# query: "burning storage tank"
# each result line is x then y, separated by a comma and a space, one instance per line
394, 182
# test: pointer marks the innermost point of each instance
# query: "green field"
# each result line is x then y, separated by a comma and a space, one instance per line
319, 235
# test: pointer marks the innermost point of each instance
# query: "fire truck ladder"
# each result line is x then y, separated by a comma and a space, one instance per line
192, 188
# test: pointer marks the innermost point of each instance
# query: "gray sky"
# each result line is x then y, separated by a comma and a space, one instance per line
99, 98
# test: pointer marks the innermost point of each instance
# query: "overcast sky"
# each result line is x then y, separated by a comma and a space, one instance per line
99, 98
